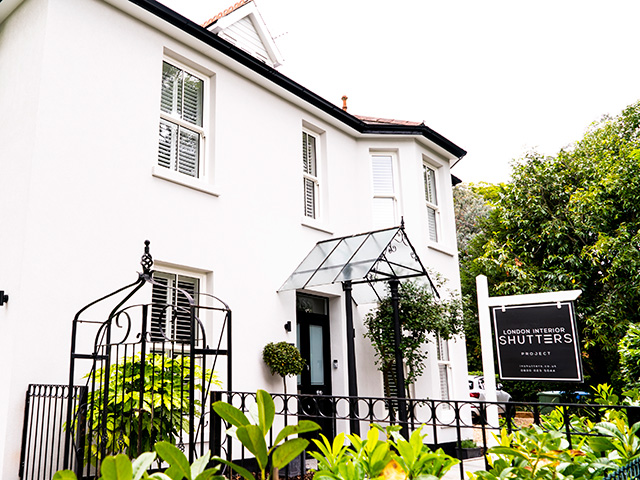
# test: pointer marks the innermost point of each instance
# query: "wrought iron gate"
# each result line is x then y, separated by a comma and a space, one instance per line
149, 370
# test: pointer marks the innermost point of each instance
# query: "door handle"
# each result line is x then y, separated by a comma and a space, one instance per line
319, 392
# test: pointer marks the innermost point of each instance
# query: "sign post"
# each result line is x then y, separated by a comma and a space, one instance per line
536, 338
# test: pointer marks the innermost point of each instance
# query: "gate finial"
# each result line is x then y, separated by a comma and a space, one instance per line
147, 259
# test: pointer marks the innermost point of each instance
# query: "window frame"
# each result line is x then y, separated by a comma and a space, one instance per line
309, 177
443, 355
163, 271
394, 195
203, 181
429, 201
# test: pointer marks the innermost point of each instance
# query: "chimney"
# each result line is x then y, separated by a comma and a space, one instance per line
344, 102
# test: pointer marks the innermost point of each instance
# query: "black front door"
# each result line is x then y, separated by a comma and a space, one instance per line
314, 344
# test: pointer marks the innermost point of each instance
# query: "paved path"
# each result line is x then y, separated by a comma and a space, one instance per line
471, 465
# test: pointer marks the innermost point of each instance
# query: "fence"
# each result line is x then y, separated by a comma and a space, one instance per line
631, 471
447, 423
44, 427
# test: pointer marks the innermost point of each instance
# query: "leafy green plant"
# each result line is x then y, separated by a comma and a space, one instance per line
142, 407
253, 437
421, 315
121, 467
372, 458
468, 444
617, 440
283, 359
417, 459
533, 453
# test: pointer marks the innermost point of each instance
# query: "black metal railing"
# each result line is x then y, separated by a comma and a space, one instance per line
44, 426
447, 423
631, 471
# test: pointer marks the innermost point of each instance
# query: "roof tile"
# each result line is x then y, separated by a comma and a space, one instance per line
224, 13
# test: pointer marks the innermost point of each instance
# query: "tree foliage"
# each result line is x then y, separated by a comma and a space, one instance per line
629, 349
572, 221
422, 315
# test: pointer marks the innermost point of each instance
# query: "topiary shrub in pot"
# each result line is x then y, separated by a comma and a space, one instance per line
283, 359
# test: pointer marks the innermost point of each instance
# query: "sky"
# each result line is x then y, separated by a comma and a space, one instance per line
497, 78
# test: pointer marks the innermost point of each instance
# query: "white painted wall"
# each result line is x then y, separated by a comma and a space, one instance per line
78, 197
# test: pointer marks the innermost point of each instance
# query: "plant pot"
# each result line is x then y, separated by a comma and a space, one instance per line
465, 453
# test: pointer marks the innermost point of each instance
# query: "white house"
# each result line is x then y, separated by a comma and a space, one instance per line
123, 121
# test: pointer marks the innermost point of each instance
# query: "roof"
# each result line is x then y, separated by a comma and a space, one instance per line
271, 74
369, 258
387, 121
224, 13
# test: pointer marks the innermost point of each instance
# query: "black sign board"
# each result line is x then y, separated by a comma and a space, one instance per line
537, 342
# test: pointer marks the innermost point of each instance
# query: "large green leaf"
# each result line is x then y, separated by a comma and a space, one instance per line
266, 410
405, 450
303, 426
116, 468
160, 476
199, 465
231, 414
288, 451
142, 464
210, 474
252, 438
601, 444
246, 474
179, 465
64, 475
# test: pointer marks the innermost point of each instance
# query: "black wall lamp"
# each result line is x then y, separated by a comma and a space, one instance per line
4, 298
287, 326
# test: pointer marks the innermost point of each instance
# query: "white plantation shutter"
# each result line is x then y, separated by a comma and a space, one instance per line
309, 198
432, 218
171, 89
170, 311
310, 175
188, 152
181, 134
444, 368
309, 154
430, 185
444, 381
182, 323
384, 198
382, 167
167, 143
160, 313
192, 104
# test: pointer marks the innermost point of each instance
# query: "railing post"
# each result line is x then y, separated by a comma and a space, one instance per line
25, 427
354, 424
82, 432
567, 426
215, 433
397, 333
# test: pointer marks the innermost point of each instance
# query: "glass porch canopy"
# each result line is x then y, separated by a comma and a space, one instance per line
364, 258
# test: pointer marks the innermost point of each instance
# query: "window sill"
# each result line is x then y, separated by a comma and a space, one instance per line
313, 223
441, 248
184, 180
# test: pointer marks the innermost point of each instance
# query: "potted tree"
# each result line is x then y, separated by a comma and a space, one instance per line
283, 359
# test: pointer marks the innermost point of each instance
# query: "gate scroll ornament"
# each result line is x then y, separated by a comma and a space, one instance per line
145, 387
